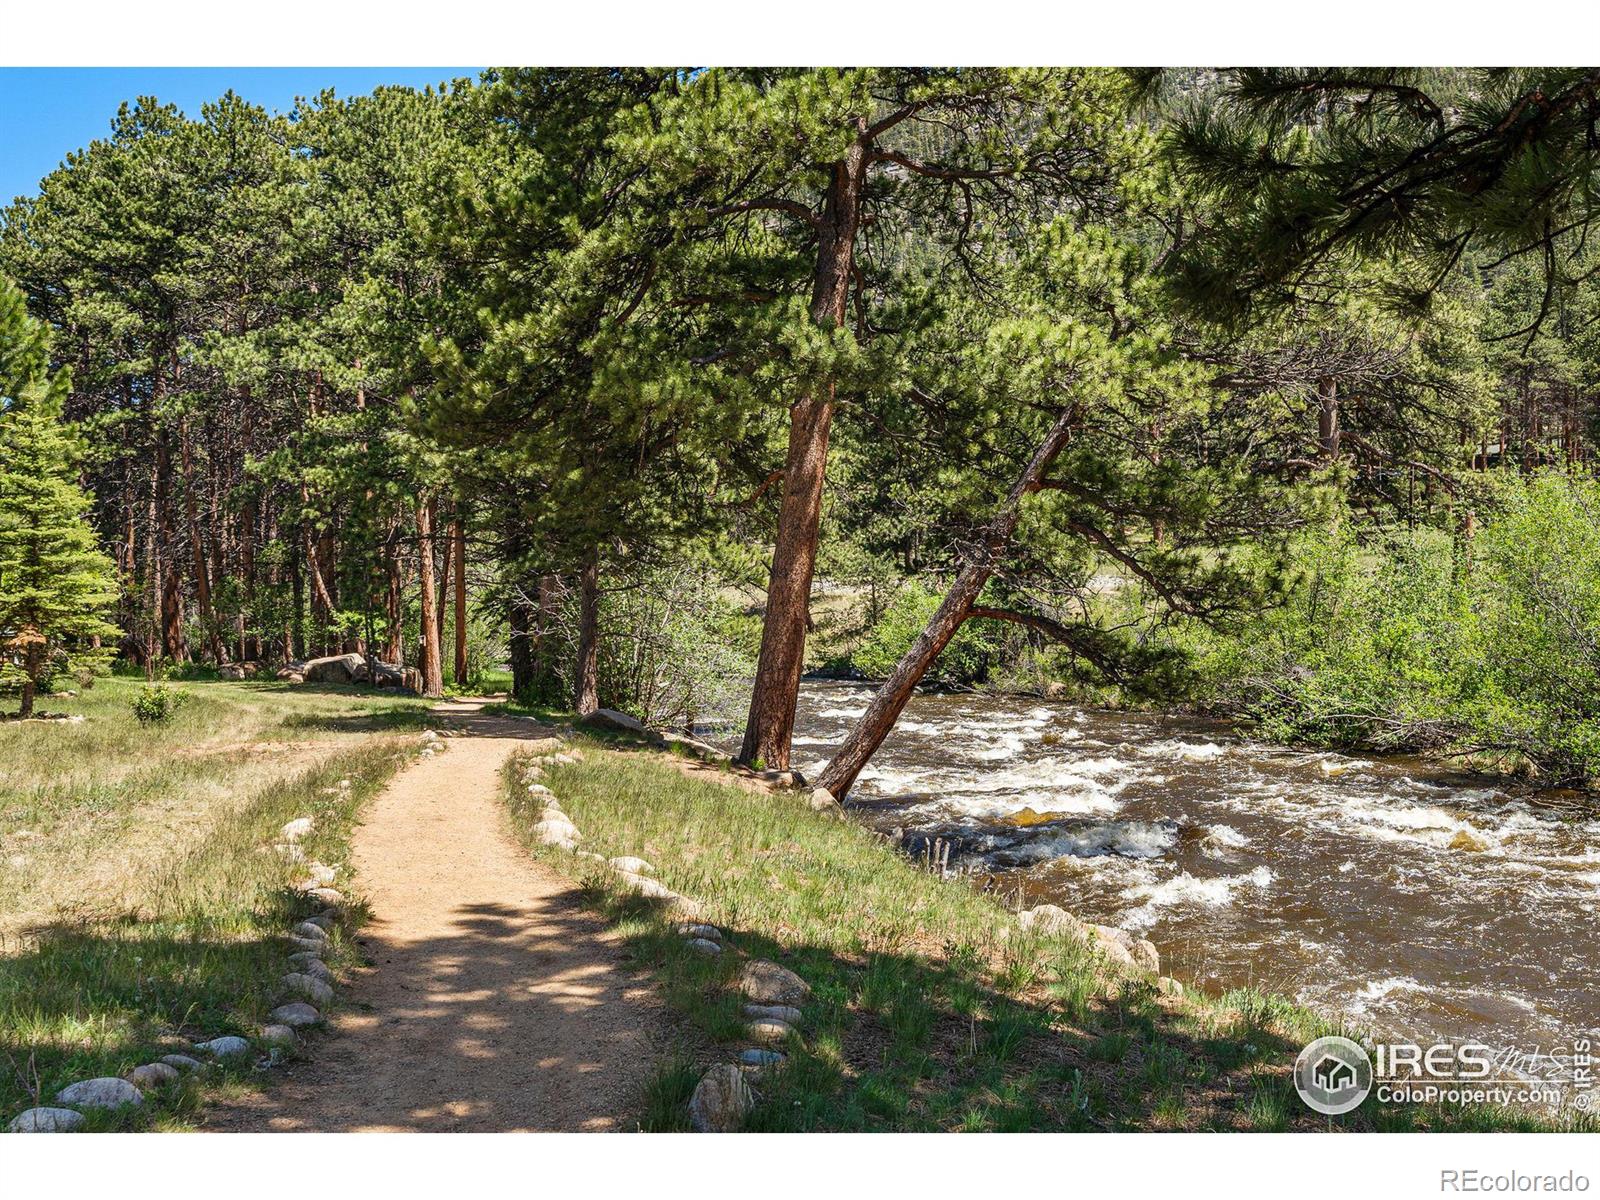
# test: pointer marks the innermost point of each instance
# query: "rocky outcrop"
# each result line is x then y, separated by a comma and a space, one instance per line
336, 668
235, 672
611, 719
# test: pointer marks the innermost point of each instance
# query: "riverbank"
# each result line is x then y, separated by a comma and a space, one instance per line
930, 1007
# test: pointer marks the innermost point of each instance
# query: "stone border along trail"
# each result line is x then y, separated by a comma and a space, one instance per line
494, 999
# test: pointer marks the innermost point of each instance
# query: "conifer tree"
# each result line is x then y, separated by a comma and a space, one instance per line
55, 584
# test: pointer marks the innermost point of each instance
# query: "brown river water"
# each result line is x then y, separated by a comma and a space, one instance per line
1387, 891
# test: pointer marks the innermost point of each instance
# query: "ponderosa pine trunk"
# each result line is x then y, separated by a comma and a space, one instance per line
1328, 420
460, 672
891, 698
428, 660
770, 724
520, 617
202, 570
586, 682
32, 664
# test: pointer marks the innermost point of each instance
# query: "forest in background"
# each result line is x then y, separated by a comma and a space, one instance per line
1270, 392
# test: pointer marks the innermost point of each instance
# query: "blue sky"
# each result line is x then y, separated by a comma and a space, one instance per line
45, 112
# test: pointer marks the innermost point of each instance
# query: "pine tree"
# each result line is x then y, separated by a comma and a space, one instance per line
54, 581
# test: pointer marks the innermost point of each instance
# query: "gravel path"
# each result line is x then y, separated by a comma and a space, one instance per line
493, 1000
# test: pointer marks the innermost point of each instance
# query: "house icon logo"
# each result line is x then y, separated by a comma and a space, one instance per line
1333, 1075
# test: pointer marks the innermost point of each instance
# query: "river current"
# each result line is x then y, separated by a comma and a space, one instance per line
1387, 891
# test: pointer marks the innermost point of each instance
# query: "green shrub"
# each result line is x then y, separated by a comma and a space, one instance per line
971, 655
157, 703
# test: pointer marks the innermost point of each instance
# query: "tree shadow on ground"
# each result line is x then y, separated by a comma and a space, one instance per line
525, 1017
908, 1041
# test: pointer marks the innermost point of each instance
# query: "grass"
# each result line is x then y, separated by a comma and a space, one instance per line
162, 831
931, 1009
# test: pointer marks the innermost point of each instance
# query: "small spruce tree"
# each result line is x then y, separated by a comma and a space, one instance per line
55, 584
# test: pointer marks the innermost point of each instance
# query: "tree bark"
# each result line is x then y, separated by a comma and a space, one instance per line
444, 586
586, 679
520, 618
891, 698
460, 539
32, 662
770, 724
1328, 420
428, 661
202, 572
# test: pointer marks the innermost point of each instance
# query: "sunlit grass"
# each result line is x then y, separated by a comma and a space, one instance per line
931, 1008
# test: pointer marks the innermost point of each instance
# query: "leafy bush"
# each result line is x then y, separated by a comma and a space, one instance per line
971, 654
1415, 641
156, 704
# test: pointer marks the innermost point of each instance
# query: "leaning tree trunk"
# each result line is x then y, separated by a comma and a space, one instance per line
428, 661
770, 725
875, 724
587, 676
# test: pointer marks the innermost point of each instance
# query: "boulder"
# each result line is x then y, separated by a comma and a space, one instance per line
153, 1075
278, 1035
557, 833
631, 864
307, 929
770, 1032
292, 673
336, 668
224, 1047
773, 1012
611, 719
314, 990
1049, 920
100, 1093
321, 920
645, 886
721, 1101
45, 1120
296, 829
710, 932
704, 946
1123, 948
768, 983
316, 969
388, 675
296, 1015
316, 875
547, 745
234, 672
300, 943
821, 800
759, 1058
180, 1062
325, 894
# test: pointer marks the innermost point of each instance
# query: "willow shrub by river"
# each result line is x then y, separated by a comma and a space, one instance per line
931, 1008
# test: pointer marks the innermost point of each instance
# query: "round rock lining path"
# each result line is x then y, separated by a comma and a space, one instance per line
493, 999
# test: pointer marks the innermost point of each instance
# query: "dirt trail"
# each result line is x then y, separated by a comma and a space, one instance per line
493, 1001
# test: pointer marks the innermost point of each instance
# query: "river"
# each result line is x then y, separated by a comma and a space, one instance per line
1388, 891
